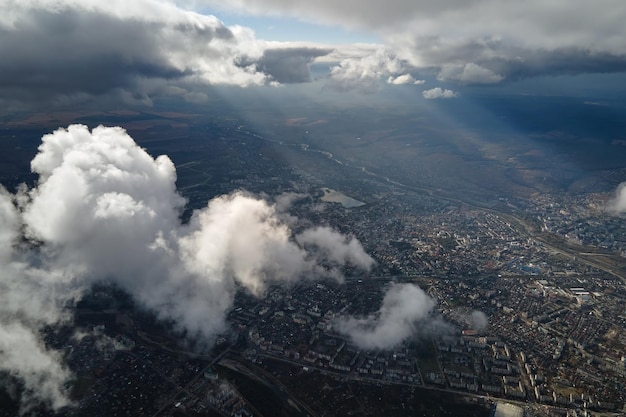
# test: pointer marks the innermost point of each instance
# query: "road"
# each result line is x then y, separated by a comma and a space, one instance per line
168, 403
238, 364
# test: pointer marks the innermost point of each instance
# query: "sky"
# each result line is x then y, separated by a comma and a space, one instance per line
70, 52
104, 209
288, 28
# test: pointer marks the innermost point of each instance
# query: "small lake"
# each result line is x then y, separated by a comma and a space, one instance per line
332, 196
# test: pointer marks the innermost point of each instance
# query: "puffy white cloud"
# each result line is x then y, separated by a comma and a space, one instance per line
405, 312
156, 47
402, 79
438, 92
246, 241
618, 203
364, 72
104, 209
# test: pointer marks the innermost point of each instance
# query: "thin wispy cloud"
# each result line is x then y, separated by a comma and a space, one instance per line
617, 204
406, 312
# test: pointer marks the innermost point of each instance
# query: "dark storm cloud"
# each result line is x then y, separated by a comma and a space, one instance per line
477, 41
68, 50
60, 51
289, 65
50, 53
568, 61
491, 61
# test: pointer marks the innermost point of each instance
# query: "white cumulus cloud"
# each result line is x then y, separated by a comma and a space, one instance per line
403, 79
364, 72
438, 92
103, 209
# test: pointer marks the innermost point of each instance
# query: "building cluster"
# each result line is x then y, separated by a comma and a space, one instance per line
541, 348
561, 320
584, 220
556, 326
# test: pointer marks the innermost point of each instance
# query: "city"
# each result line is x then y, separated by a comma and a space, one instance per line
270, 208
528, 312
